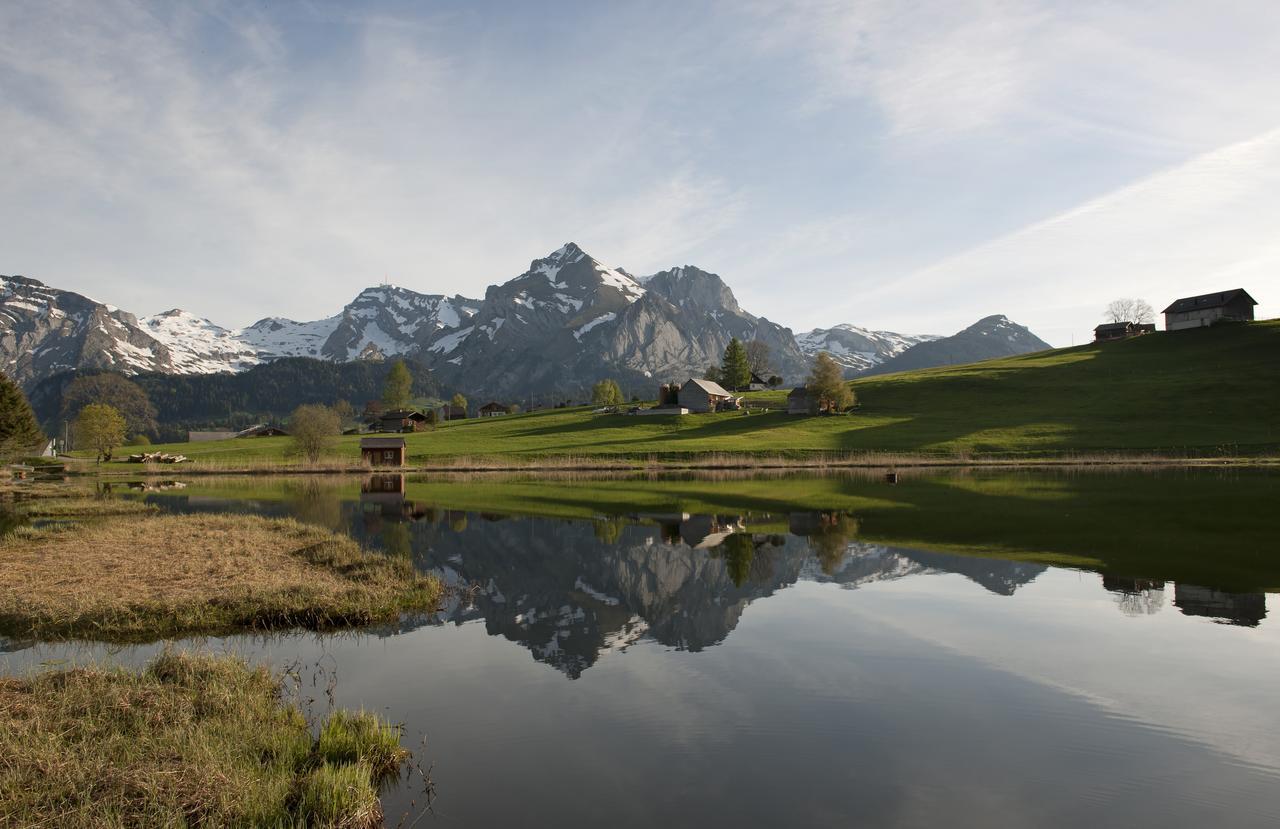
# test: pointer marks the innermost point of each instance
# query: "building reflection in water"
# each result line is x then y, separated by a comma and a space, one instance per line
1136, 597
1245, 609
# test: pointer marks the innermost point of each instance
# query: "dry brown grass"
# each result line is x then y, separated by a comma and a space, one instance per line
190, 741
154, 576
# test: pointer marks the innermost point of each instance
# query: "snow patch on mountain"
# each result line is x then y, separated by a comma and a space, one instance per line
857, 349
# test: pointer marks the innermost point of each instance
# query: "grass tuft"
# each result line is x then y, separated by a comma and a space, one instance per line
189, 741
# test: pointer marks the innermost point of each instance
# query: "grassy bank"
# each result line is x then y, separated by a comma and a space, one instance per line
141, 578
1188, 394
190, 741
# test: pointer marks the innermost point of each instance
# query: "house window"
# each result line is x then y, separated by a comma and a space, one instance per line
389, 455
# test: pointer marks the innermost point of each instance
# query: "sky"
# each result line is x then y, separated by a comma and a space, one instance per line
909, 166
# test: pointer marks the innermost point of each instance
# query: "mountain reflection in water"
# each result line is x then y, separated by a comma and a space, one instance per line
570, 590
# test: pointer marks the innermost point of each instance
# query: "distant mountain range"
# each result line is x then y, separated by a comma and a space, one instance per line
565, 323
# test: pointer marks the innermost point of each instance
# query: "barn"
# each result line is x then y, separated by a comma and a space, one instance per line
702, 395
382, 451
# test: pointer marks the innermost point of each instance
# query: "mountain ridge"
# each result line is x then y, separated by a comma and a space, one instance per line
566, 322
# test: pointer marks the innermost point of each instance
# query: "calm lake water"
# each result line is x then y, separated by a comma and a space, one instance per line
963, 649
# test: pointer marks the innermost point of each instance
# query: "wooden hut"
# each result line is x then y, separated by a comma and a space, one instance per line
401, 420
798, 401
494, 409
382, 451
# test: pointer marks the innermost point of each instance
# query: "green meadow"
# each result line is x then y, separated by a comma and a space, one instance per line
1205, 393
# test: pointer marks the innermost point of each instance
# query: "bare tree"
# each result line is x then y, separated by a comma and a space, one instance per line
1130, 310
758, 358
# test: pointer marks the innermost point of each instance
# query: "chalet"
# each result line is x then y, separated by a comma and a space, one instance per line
798, 401
401, 420
382, 451
757, 383
492, 409
451, 412
1121, 331
262, 431
702, 396
1206, 309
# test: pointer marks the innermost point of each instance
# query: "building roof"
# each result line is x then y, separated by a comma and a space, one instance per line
798, 391
1196, 303
1108, 327
260, 429
402, 414
381, 443
709, 386
493, 405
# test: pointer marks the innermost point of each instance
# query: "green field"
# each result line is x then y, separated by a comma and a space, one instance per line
1207, 392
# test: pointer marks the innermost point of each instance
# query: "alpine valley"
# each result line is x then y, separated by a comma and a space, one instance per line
565, 323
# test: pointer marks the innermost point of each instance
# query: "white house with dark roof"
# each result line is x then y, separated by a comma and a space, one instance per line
1206, 309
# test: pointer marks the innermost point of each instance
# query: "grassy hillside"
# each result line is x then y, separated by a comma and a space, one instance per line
1203, 392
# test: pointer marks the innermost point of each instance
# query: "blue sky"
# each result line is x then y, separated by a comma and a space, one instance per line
908, 166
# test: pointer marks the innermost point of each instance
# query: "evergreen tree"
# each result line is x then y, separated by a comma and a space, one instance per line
101, 428
735, 371
19, 432
398, 389
826, 385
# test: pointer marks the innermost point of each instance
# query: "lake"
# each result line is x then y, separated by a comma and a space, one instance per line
968, 648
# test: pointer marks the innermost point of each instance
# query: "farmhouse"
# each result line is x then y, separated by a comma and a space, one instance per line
1206, 309
401, 420
452, 412
1121, 331
492, 409
382, 451
702, 395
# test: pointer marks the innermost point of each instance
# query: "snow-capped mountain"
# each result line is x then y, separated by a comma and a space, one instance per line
986, 339
570, 320
857, 349
44, 331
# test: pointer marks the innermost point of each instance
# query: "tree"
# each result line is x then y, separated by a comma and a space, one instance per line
607, 393
397, 391
432, 418
101, 428
827, 389
19, 432
1130, 310
735, 373
345, 411
758, 357
312, 428
712, 373
774, 381
458, 401
120, 393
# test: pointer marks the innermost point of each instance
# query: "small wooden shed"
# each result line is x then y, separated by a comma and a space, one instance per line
382, 451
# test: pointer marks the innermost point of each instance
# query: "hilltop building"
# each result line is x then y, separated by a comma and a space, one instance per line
1121, 331
1206, 309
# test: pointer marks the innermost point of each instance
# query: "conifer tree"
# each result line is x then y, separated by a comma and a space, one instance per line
19, 432
735, 371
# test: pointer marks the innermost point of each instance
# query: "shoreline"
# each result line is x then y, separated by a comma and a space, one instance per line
471, 465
